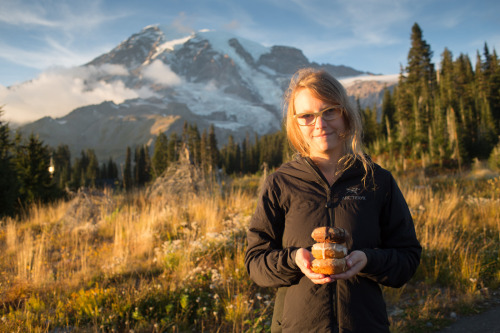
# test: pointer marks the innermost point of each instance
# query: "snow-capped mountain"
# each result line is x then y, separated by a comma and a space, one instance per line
205, 77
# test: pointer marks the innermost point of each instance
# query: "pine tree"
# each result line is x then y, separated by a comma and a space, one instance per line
160, 155
228, 156
141, 172
421, 82
194, 144
127, 171
62, 166
92, 169
32, 164
173, 148
387, 115
370, 125
487, 136
9, 186
112, 170
204, 151
213, 155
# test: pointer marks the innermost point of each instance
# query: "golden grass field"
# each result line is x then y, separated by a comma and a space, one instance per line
171, 259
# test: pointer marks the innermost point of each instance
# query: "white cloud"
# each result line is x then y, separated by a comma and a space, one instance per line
159, 72
70, 16
58, 91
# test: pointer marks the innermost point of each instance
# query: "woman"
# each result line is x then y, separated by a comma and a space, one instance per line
330, 183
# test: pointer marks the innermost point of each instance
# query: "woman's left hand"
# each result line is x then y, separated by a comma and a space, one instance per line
356, 261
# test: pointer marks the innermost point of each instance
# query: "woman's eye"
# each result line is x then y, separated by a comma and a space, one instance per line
306, 116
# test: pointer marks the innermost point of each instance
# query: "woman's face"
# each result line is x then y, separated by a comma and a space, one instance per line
325, 137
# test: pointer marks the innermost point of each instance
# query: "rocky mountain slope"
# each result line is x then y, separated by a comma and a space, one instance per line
205, 77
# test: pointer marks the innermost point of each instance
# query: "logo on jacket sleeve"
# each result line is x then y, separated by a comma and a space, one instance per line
352, 194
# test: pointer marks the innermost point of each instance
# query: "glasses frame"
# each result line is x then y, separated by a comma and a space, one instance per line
319, 114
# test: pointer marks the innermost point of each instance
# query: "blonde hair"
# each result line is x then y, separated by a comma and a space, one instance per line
328, 89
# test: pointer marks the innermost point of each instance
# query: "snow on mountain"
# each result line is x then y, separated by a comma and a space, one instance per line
205, 77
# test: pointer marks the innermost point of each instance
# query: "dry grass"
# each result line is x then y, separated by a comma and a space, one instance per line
173, 262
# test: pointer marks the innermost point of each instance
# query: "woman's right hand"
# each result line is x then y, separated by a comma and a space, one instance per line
303, 259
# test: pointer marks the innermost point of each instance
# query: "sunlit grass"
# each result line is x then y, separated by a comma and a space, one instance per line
174, 261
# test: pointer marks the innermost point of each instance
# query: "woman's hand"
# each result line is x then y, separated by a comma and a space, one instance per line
356, 261
303, 259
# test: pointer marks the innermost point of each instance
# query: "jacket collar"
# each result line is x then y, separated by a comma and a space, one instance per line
305, 169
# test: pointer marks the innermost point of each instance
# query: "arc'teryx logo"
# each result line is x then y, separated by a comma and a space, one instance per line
352, 194
352, 190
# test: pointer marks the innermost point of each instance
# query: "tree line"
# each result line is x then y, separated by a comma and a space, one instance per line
444, 117
33, 172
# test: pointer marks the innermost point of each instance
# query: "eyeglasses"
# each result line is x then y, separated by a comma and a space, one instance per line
309, 119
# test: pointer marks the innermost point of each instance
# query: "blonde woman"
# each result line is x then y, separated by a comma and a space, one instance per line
331, 182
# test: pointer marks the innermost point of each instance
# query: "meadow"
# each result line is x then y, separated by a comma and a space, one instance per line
169, 258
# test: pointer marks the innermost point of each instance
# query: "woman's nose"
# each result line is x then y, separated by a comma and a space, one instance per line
320, 122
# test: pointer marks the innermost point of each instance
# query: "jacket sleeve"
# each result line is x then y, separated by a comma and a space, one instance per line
266, 261
397, 259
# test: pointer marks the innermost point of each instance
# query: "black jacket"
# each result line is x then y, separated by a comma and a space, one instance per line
295, 200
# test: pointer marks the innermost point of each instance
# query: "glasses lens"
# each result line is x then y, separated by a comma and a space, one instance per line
305, 118
332, 113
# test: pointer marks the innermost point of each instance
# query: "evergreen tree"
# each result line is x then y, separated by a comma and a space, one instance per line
112, 170
9, 186
370, 125
160, 155
173, 148
194, 144
421, 83
244, 155
387, 115
127, 171
213, 150
32, 164
142, 171
204, 151
486, 131
62, 166
228, 156
91, 169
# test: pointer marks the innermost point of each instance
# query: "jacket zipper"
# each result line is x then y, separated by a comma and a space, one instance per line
329, 200
331, 215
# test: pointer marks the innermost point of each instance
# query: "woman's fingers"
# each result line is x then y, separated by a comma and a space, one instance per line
356, 261
303, 259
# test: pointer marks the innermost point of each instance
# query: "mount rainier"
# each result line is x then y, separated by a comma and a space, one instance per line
205, 78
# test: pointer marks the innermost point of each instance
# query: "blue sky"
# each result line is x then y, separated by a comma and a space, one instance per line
369, 35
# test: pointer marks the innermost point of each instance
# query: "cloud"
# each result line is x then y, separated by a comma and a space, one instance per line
53, 54
363, 21
159, 72
71, 16
58, 91
18, 13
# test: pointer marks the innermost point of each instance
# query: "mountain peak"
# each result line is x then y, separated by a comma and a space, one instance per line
161, 77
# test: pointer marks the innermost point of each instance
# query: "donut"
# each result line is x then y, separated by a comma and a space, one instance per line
328, 250
329, 266
330, 235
